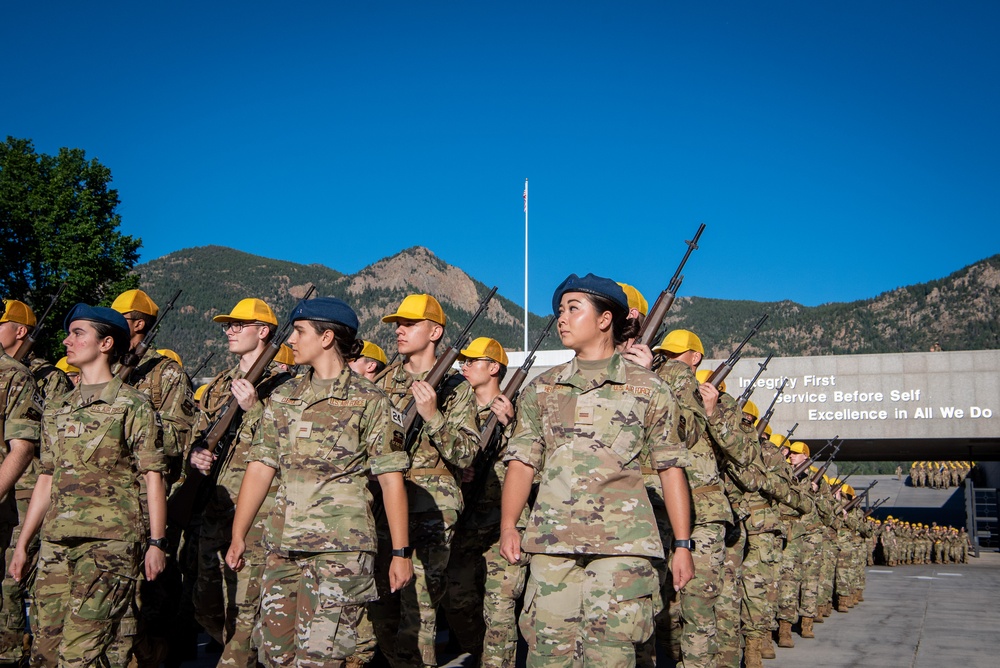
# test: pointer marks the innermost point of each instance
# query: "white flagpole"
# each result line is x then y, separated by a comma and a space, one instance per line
526, 266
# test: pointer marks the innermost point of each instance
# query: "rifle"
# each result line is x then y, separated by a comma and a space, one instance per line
651, 325
134, 356
489, 436
194, 374
440, 369
819, 473
801, 468
726, 367
745, 397
32, 338
181, 505
858, 497
762, 423
875, 506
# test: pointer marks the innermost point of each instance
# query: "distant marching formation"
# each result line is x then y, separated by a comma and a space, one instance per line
939, 475
318, 502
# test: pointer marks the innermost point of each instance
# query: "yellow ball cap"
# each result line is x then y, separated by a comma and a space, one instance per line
767, 430
285, 356
485, 347
681, 340
846, 489
418, 307
372, 351
635, 298
135, 300
249, 310
799, 447
64, 366
200, 392
166, 352
751, 409
19, 312
778, 439
704, 374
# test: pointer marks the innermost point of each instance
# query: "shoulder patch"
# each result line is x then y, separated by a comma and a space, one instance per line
397, 416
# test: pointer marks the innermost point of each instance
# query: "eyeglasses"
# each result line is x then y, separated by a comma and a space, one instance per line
469, 361
237, 327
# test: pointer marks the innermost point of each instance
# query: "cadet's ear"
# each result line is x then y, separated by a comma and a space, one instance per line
437, 331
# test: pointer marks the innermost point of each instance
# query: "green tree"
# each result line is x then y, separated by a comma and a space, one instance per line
60, 225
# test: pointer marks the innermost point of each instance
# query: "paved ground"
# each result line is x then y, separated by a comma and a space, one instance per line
912, 617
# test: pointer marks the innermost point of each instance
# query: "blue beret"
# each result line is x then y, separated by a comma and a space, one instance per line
595, 285
108, 316
326, 309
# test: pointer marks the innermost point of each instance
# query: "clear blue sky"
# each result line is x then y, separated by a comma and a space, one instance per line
835, 150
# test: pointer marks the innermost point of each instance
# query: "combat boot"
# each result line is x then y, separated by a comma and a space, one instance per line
818, 619
860, 595
852, 600
767, 647
842, 603
354, 662
785, 634
807, 628
751, 653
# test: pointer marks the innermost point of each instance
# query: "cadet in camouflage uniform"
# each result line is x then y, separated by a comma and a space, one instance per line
20, 418
798, 595
592, 591
97, 441
227, 603
16, 324
695, 617
445, 443
169, 389
322, 435
475, 610
370, 362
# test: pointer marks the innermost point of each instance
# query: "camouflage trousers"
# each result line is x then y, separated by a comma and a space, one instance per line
504, 586
82, 591
405, 622
646, 653
466, 583
790, 580
828, 567
844, 559
13, 623
727, 607
311, 605
694, 615
587, 610
812, 561
759, 583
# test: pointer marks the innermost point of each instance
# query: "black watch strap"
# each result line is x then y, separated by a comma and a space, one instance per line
405, 552
158, 542
686, 543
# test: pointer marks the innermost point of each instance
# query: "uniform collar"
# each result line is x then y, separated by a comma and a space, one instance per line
107, 395
571, 375
339, 390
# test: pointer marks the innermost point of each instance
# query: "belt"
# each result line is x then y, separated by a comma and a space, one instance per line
705, 489
759, 506
646, 470
23, 494
789, 518
435, 471
272, 490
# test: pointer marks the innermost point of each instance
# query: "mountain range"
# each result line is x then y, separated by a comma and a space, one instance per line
959, 311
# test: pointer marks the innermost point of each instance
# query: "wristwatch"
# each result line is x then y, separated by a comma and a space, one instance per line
686, 543
158, 542
404, 552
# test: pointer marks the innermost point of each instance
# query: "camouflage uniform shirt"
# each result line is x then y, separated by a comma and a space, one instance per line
95, 452
585, 439
324, 440
20, 415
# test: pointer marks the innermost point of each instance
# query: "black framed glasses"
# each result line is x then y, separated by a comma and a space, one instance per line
237, 327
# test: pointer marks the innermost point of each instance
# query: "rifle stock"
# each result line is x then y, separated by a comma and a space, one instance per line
133, 358
654, 319
726, 367
191, 493
32, 338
